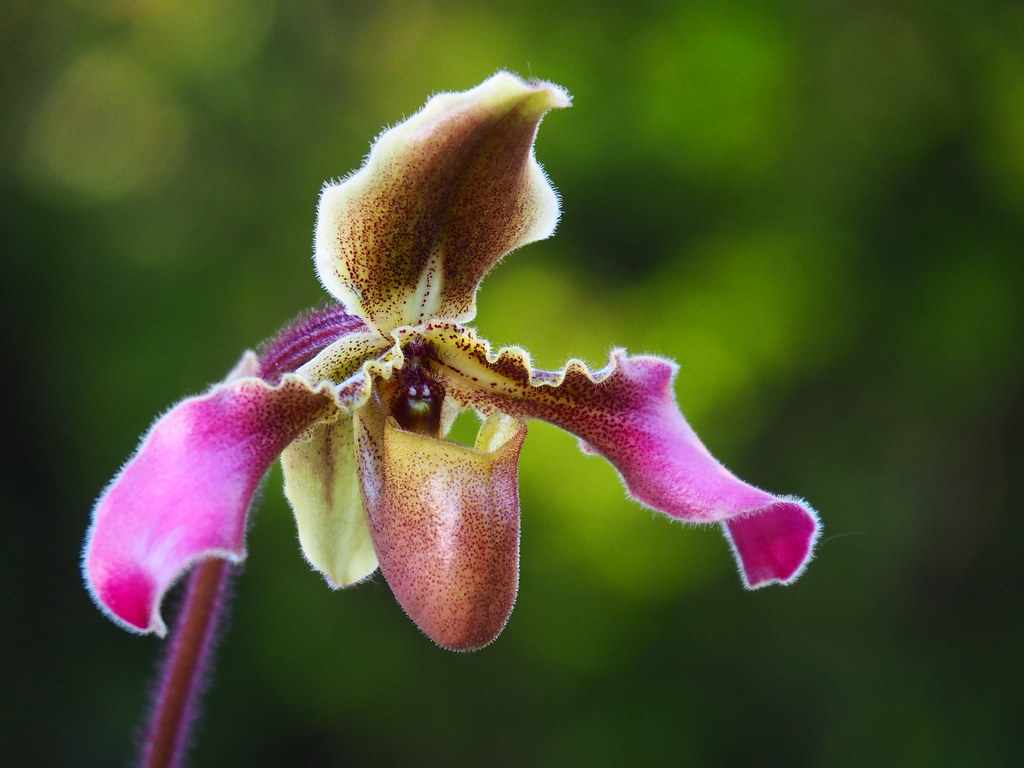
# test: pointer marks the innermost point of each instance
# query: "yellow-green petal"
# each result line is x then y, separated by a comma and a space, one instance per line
322, 485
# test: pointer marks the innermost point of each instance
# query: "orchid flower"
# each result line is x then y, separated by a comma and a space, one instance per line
357, 399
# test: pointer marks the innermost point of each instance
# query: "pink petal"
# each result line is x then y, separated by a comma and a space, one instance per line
628, 414
185, 493
445, 524
441, 199
775, 543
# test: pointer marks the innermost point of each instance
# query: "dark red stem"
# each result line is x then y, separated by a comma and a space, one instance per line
184, 675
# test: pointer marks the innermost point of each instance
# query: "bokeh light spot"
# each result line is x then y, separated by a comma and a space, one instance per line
105, 129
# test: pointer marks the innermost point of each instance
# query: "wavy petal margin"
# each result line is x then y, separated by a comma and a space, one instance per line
627, 413
445, 523
184, 496
441, 199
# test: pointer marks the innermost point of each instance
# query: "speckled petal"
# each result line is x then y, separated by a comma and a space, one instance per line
445, 523
442, 197
340, 361
185, 493
321, 482
627, 413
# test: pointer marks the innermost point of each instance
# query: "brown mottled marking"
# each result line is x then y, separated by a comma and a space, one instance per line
445, 524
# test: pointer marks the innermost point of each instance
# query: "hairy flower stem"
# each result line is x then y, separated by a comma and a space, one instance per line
184, 676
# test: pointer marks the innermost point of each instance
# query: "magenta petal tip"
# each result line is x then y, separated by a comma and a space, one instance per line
132, 598
774, 544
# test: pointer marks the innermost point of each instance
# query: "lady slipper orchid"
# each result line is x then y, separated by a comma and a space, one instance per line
357, 399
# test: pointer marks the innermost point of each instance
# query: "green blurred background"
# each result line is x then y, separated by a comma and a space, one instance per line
816, 208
